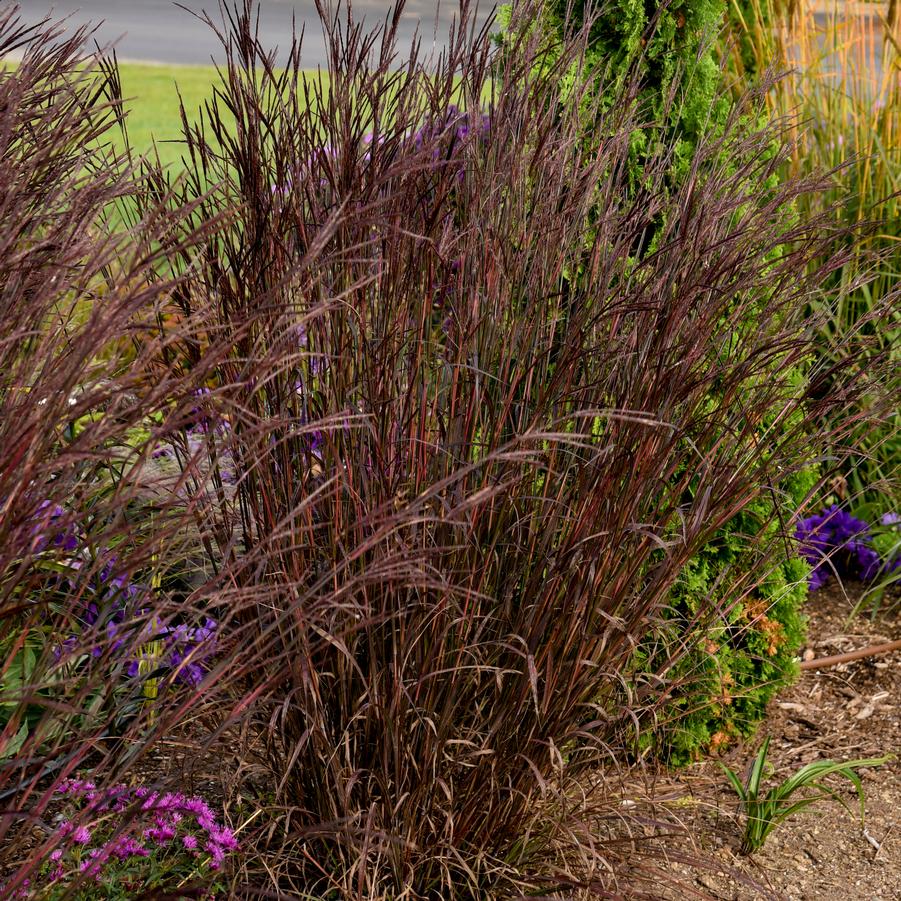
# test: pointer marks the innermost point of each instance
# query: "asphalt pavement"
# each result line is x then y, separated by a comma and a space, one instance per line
159, 31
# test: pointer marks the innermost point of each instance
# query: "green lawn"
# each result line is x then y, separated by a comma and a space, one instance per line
152, 100
151, 92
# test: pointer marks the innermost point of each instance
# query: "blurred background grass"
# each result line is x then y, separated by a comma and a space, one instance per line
152, 93
152, 98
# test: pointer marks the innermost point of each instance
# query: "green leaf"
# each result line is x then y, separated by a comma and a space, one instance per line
756, 773
14, 745
735, 782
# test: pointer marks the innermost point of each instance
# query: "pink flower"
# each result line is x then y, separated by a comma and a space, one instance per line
125, 846
82, 835
217, 853
189, 841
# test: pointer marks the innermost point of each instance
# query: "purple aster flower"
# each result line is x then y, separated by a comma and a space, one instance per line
207, 631
217, 853
178, 633
67, 541
835, 541
163, 834
112, 629
226, 839
317, 440
869, 565
66, 648
126, 846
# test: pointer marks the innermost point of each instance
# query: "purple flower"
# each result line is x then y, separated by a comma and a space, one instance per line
162, 835
890, 519
65, 648
207, 631
834, 541
216, 852
112, 629
187, 650
68, 541
126, 847
48, 516
316, 441
82, 835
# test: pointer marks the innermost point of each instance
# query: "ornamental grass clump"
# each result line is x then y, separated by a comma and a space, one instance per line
745, 657
381, 388
100, 626
477, 441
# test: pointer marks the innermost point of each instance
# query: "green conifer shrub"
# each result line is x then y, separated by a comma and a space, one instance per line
668, 48
732, 666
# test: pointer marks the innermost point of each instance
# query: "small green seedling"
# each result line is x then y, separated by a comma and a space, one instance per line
764, 814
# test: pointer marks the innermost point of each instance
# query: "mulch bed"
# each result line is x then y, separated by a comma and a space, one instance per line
850, 710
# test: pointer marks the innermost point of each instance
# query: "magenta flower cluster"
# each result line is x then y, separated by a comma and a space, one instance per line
162, 825
834, 542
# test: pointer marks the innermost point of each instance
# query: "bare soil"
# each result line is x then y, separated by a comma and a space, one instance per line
851, 710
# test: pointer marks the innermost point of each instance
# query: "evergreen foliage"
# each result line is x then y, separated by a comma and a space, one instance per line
668, 47
747, 654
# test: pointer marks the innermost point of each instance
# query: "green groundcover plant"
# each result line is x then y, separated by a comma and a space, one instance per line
763, 813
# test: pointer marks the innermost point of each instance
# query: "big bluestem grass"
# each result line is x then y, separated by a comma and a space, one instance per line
438, 445
475, 439
92, 534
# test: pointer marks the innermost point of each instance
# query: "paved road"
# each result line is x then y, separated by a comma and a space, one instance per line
159, 31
